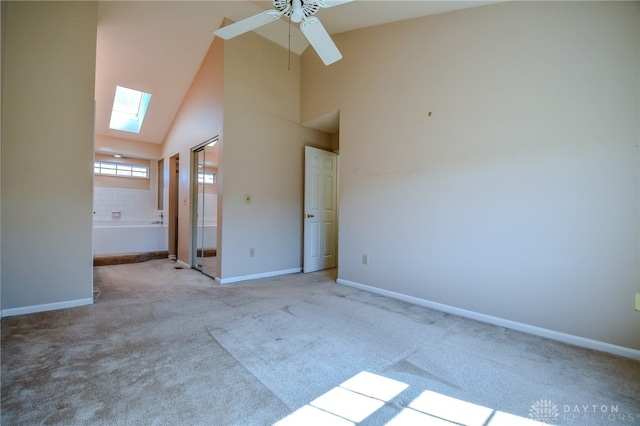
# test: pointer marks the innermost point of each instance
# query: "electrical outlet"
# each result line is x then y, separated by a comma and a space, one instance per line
365, 259
236, 199
252, 252
637, 301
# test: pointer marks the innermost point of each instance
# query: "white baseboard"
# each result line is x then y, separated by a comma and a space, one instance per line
184, 265
46, 307
526, 328
257, 276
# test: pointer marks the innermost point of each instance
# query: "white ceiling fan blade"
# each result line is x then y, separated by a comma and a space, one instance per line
331, 3
320, 40
248, 24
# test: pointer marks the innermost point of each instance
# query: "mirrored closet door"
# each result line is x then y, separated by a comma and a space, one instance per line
205, 207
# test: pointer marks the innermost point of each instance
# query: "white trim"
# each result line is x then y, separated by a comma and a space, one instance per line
184, 265
257, 276
46, 307
526, 328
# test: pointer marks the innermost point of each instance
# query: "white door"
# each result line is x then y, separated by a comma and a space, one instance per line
320, 209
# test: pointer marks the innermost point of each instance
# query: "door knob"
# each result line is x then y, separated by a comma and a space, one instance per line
309, 215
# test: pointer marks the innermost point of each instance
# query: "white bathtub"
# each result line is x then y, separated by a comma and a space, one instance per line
133, 236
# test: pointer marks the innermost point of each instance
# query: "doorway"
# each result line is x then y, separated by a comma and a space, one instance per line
174, 170
204, 184
320, 210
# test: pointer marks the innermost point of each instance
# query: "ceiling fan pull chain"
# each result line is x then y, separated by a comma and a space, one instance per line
289, 66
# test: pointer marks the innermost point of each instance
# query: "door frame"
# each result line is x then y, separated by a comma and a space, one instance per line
172, 217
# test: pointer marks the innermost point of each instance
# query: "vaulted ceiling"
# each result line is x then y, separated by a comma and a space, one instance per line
158, 46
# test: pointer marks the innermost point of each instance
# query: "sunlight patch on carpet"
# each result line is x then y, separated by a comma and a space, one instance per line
359, 397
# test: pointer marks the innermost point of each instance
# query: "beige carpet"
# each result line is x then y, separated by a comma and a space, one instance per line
166, 346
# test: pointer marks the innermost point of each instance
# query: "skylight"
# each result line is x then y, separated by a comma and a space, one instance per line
129, 109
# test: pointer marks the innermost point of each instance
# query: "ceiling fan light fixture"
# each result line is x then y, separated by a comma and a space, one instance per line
297, 14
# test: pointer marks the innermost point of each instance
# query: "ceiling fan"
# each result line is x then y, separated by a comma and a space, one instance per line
301, 11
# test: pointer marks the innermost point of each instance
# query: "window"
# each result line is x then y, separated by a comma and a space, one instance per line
207, 178
120, 169
129, 108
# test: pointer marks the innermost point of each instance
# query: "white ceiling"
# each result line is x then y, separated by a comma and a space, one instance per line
158, 46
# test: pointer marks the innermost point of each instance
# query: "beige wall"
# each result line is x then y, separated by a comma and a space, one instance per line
47, 154
262, 154
199, 119
518, 197
127, 147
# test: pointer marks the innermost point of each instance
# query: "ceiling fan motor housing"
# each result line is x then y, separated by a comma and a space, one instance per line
309, 7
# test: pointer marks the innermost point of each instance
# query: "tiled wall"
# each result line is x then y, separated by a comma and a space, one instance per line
134, 204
